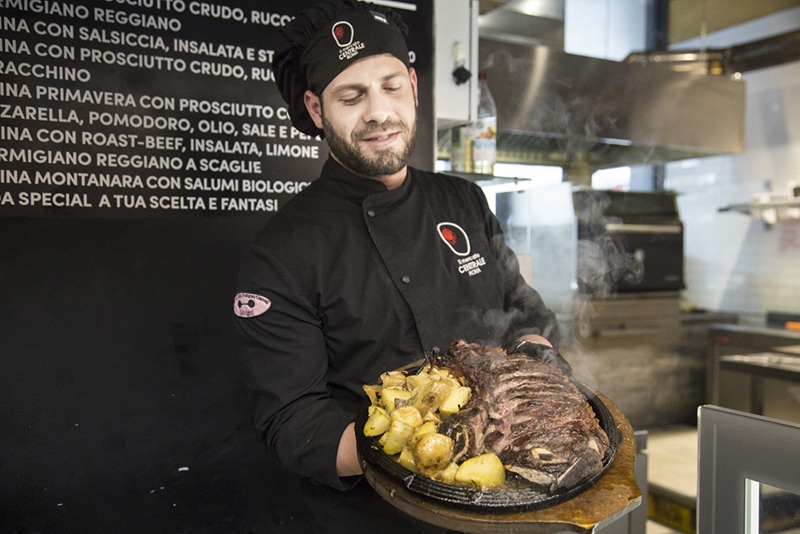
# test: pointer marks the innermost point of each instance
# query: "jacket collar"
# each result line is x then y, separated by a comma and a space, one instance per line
358, 188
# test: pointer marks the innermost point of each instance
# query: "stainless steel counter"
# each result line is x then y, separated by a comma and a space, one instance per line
772, 364
757, 335
759, 367
755, 369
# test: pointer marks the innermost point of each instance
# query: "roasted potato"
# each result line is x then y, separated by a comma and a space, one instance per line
393, 379
389, 397
406, 410
484, 471
378, 421
432, 452
428, 427
395, 438
373, 392
416, 381
406, 459
408, 415
428, 397
448, 474
456, 399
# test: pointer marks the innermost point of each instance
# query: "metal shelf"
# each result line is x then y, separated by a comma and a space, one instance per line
769, 212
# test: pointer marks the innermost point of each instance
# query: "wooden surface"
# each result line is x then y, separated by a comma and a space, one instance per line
612, 496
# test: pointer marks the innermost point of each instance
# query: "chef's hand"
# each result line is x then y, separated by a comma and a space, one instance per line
544, 352
347, 464
535, 338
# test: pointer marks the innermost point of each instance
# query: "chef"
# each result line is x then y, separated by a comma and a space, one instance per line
371, 265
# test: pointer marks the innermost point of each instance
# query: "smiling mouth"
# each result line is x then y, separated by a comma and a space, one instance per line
380, 138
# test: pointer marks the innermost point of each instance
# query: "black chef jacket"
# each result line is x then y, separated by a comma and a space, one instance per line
349, 280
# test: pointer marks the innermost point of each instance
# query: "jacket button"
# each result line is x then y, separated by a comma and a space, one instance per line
371, 212
406, 279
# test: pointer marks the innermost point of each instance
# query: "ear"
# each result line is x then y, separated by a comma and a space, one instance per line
412, 74
314, 108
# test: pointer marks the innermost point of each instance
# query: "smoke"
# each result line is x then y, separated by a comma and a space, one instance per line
604, 261
505, 326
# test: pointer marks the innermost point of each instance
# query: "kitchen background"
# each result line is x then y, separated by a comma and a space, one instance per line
734, 262
647, 346
662, 358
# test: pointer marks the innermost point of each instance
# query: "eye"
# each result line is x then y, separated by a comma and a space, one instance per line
350, 98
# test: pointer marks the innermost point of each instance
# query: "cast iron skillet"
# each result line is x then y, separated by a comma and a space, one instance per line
525, 497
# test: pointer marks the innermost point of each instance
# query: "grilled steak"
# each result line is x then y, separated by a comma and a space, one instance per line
527, 412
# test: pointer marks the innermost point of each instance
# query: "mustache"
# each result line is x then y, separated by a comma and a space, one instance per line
372, 130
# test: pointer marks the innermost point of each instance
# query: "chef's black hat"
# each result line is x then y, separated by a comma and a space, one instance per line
324, 40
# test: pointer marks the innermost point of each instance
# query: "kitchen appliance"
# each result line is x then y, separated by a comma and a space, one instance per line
595, 244
754, 369
562, 109
583, 113
641, 236
610, 265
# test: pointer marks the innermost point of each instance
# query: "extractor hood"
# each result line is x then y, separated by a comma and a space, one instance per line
584, 113
754, 55
556, 108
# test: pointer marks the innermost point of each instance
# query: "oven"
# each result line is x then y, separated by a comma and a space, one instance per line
628, 242
597, 244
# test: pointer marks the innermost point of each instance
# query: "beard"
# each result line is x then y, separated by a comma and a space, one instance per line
373, 163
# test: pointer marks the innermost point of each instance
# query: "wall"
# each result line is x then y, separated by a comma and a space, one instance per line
123, 401
732, 262
124, 406
609, 30
689, 18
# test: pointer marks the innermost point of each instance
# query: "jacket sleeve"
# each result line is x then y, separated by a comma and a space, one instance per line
525, 309
284, 351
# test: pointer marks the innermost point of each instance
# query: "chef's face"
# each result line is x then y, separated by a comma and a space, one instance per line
369, 116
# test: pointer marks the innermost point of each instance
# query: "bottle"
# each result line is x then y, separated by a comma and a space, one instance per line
484, 145
461, 148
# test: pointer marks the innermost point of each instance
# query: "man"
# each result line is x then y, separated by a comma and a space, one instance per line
371, 265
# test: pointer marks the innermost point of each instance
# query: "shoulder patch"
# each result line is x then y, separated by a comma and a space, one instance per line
250, 305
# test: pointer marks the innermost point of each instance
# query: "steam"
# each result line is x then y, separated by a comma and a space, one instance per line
602, 256
504, 326
603, 262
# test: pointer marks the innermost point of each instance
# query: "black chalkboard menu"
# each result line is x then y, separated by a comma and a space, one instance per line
142, 144
149, 108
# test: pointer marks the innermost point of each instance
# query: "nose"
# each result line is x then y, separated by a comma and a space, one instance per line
378, 108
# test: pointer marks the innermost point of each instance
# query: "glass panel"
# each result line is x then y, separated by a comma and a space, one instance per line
770, 510
779, 511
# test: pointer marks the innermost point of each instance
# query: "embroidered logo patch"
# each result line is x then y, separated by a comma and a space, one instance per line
458, 241
455, 237
250, 305
343, 33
